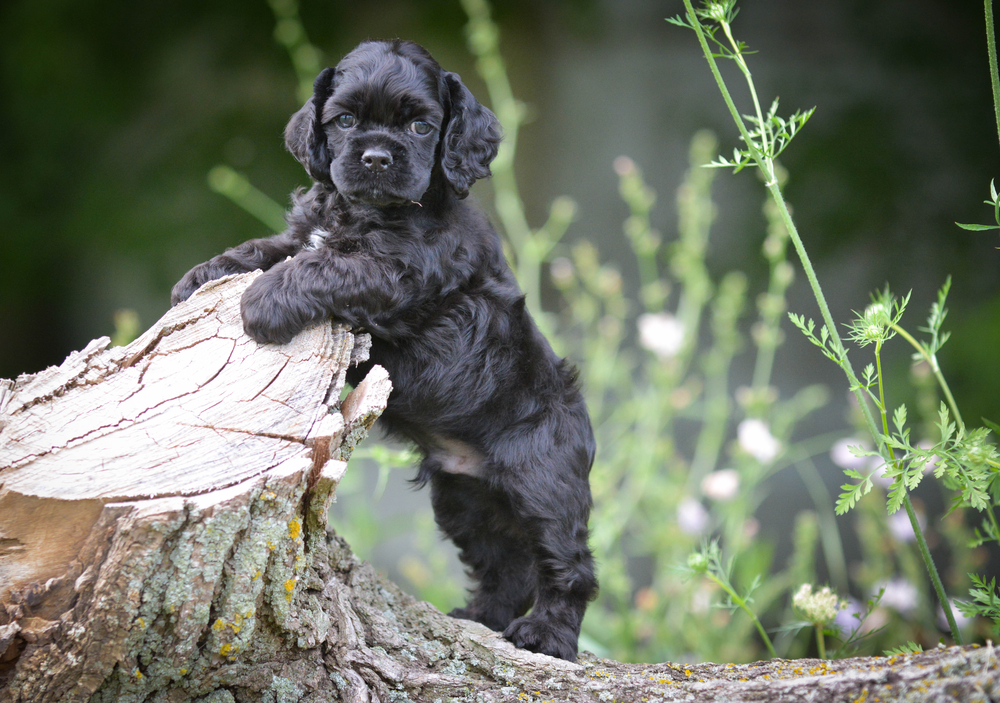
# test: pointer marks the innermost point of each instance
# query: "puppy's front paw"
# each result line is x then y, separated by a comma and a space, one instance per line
540, 635
267, 315
192, 281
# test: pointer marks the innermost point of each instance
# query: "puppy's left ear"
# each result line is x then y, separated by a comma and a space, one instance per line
304, 135
470, 139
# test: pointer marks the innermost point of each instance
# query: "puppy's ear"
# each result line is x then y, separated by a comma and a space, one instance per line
470, 140
304, 135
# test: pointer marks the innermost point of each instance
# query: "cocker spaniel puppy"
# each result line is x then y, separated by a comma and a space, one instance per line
385, 241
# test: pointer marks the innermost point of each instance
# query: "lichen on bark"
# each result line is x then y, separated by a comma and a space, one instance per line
201, 566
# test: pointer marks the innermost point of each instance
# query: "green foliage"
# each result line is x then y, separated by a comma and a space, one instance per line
770, 135
967, 459
126, 327
995, 202
707, 562
683, 461
908, 648
985, 601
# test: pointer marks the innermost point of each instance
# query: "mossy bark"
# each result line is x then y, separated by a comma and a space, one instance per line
164, 538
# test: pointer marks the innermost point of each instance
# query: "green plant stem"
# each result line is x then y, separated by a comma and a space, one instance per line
820, 642
932, 361
530, 247
741, 62
925, 552
484, 44
235, 186
746, 609
991, 48
725, 313
766, 166
931, 569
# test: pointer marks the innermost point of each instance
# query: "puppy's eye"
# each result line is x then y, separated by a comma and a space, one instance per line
420, 127
346, 121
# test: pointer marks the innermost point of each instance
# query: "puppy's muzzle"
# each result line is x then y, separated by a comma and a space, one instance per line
376, 160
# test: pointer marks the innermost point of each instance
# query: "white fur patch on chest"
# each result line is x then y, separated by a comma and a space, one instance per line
317, 238
458, 458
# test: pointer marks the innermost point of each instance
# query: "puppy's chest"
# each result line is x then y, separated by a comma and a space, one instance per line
316, 238
378, 243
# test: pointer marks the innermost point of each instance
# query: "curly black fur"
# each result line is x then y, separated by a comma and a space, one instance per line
385, 241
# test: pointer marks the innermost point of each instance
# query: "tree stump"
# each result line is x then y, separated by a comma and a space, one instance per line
164, 538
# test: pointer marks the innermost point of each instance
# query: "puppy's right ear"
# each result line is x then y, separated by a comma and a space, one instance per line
304, 135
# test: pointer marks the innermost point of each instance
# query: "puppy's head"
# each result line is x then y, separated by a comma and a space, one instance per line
386, 121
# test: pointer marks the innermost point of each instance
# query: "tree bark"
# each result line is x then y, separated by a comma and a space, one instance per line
164, 538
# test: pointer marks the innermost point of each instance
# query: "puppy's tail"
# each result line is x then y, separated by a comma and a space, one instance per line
428, 467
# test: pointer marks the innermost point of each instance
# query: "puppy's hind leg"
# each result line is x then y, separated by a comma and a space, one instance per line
551, 498
481, 524
566, 584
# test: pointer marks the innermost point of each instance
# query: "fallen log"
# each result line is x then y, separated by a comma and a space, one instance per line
164, 538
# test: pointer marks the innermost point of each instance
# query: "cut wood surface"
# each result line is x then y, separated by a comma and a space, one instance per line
164, 538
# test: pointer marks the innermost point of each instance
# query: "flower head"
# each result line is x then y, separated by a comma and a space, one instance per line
692, 517
755, 437
661, 333
722, 485
820, 607
898, 594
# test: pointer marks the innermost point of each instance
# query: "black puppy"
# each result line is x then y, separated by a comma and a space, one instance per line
385, 242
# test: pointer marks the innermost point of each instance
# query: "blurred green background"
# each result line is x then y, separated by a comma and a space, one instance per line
112, 114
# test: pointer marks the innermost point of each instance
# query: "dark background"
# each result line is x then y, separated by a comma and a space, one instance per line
113, 112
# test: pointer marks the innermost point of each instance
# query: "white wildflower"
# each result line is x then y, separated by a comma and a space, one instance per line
842, 456
692, 517
901, 527
562, 271
755, 437
661, 333
849, 616
721, 485
900, 595
877, 465
819, 607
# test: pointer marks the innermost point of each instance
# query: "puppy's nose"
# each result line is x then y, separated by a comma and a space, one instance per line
376, 160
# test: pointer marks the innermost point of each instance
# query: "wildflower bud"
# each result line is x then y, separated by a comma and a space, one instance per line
698, 563
562, 271
716, 11
624, 166
877, 314
610, 281
563, 209
784, 273
872, 333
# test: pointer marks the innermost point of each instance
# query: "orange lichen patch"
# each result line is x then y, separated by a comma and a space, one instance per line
294, 528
